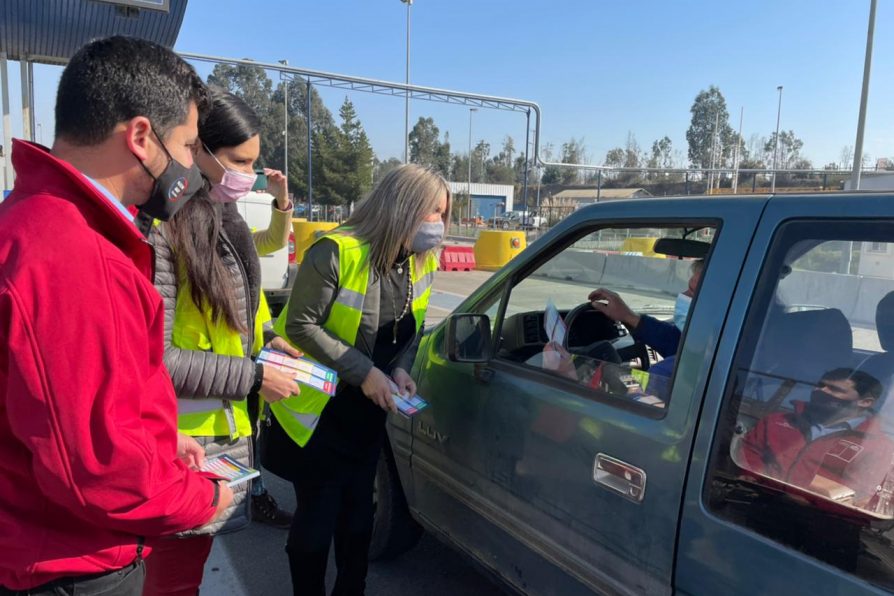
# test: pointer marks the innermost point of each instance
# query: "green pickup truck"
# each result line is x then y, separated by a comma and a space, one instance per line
749, 451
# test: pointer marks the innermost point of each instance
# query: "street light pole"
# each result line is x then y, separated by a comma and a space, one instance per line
776, 144
409, 3
470, 162
861, 123
285, 132
736, 156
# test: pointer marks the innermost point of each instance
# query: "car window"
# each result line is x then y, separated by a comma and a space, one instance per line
549, 323
806, 451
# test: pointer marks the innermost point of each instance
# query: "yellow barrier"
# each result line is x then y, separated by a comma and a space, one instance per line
641, 246
495, 248
306, 232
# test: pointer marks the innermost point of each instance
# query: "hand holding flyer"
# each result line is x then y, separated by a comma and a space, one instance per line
553, 324
226, 468
304, 371
406, 405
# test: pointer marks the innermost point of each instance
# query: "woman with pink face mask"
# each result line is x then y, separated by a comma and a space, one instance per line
216, 320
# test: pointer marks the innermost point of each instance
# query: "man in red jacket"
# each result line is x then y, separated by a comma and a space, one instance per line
91, 464
831, 445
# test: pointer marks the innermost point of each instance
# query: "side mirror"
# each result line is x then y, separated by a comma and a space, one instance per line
468, 338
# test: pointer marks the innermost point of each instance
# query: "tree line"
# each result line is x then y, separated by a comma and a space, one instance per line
345, 166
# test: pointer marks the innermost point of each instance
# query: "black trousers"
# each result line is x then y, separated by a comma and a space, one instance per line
335, 501
123, 582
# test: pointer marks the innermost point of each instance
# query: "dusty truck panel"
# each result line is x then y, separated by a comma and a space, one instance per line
623, 463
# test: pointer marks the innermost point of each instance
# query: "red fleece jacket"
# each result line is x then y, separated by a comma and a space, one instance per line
88, 415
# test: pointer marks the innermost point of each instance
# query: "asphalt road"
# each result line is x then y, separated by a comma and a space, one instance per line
253, 562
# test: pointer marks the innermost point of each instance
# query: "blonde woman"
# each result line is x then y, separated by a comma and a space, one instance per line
358, 306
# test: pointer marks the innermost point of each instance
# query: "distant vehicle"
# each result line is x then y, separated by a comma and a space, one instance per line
607, 470
277, 269
516, 220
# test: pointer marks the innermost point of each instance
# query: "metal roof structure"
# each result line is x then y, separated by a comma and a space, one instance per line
50, 31
604, 194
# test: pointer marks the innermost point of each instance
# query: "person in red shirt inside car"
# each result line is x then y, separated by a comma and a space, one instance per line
831, 445
91, 465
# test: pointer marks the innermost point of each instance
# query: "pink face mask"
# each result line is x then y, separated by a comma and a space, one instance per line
232, 186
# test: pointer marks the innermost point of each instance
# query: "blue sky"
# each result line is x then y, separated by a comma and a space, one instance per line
598, 68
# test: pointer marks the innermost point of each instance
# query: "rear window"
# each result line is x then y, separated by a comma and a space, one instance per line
805, 450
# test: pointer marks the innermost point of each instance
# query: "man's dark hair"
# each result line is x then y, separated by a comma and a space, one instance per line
867, 386
114, 79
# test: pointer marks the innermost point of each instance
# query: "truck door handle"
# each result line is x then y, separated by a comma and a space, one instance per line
620, 477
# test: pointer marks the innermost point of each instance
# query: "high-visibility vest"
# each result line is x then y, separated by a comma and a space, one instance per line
194, 329
299, 414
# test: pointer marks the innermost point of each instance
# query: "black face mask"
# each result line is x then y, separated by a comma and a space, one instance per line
173, 187
823, 408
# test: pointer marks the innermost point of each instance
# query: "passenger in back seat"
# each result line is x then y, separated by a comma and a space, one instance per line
831, 445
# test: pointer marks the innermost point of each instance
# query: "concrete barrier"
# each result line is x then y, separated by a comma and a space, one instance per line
494, 248
619, 271
855, 295
306, 232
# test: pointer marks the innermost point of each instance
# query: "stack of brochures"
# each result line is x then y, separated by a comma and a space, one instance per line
304, 371
406, 404
226, 468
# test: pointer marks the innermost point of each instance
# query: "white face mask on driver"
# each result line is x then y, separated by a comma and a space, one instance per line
681, 310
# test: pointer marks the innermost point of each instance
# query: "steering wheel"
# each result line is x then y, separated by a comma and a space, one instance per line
604, 349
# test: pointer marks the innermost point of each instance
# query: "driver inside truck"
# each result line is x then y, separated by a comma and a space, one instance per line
661, 336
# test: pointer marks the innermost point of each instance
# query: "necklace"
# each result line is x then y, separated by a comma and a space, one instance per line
407, 303
400, 266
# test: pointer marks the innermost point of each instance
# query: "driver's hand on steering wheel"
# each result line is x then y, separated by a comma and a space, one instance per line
614, 307
558, 359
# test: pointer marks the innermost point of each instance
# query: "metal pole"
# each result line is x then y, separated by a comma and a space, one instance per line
736, 156
861, 123
8, 172
32, 113
714, 152
776, 144
470, 162
285, 132
310, 169
27, 131
527, 141
409, 3
598, 185
539, 184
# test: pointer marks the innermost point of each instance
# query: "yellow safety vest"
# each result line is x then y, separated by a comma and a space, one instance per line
299, 415
194, 329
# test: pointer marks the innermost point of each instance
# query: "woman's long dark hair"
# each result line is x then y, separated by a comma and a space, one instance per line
194, 231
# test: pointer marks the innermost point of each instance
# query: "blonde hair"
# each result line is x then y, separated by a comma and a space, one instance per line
391, 214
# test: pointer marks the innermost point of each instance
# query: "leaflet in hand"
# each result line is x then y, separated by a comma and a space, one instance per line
304, 371
227, 468
553, 324
407, 405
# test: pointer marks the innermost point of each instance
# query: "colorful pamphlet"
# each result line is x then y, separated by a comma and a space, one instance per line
553, 324
227, 468
304, 371
407, 405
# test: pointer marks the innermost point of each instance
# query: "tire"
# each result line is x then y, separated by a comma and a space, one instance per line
505, 225
394, 530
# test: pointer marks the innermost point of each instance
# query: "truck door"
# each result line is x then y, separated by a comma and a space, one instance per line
791, 488
565, 474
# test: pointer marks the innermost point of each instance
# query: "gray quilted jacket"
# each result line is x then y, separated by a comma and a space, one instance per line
204, 375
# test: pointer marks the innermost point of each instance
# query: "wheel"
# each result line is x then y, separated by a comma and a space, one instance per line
394, 530
505, 225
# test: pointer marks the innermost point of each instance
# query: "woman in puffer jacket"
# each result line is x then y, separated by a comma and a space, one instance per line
216, 320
